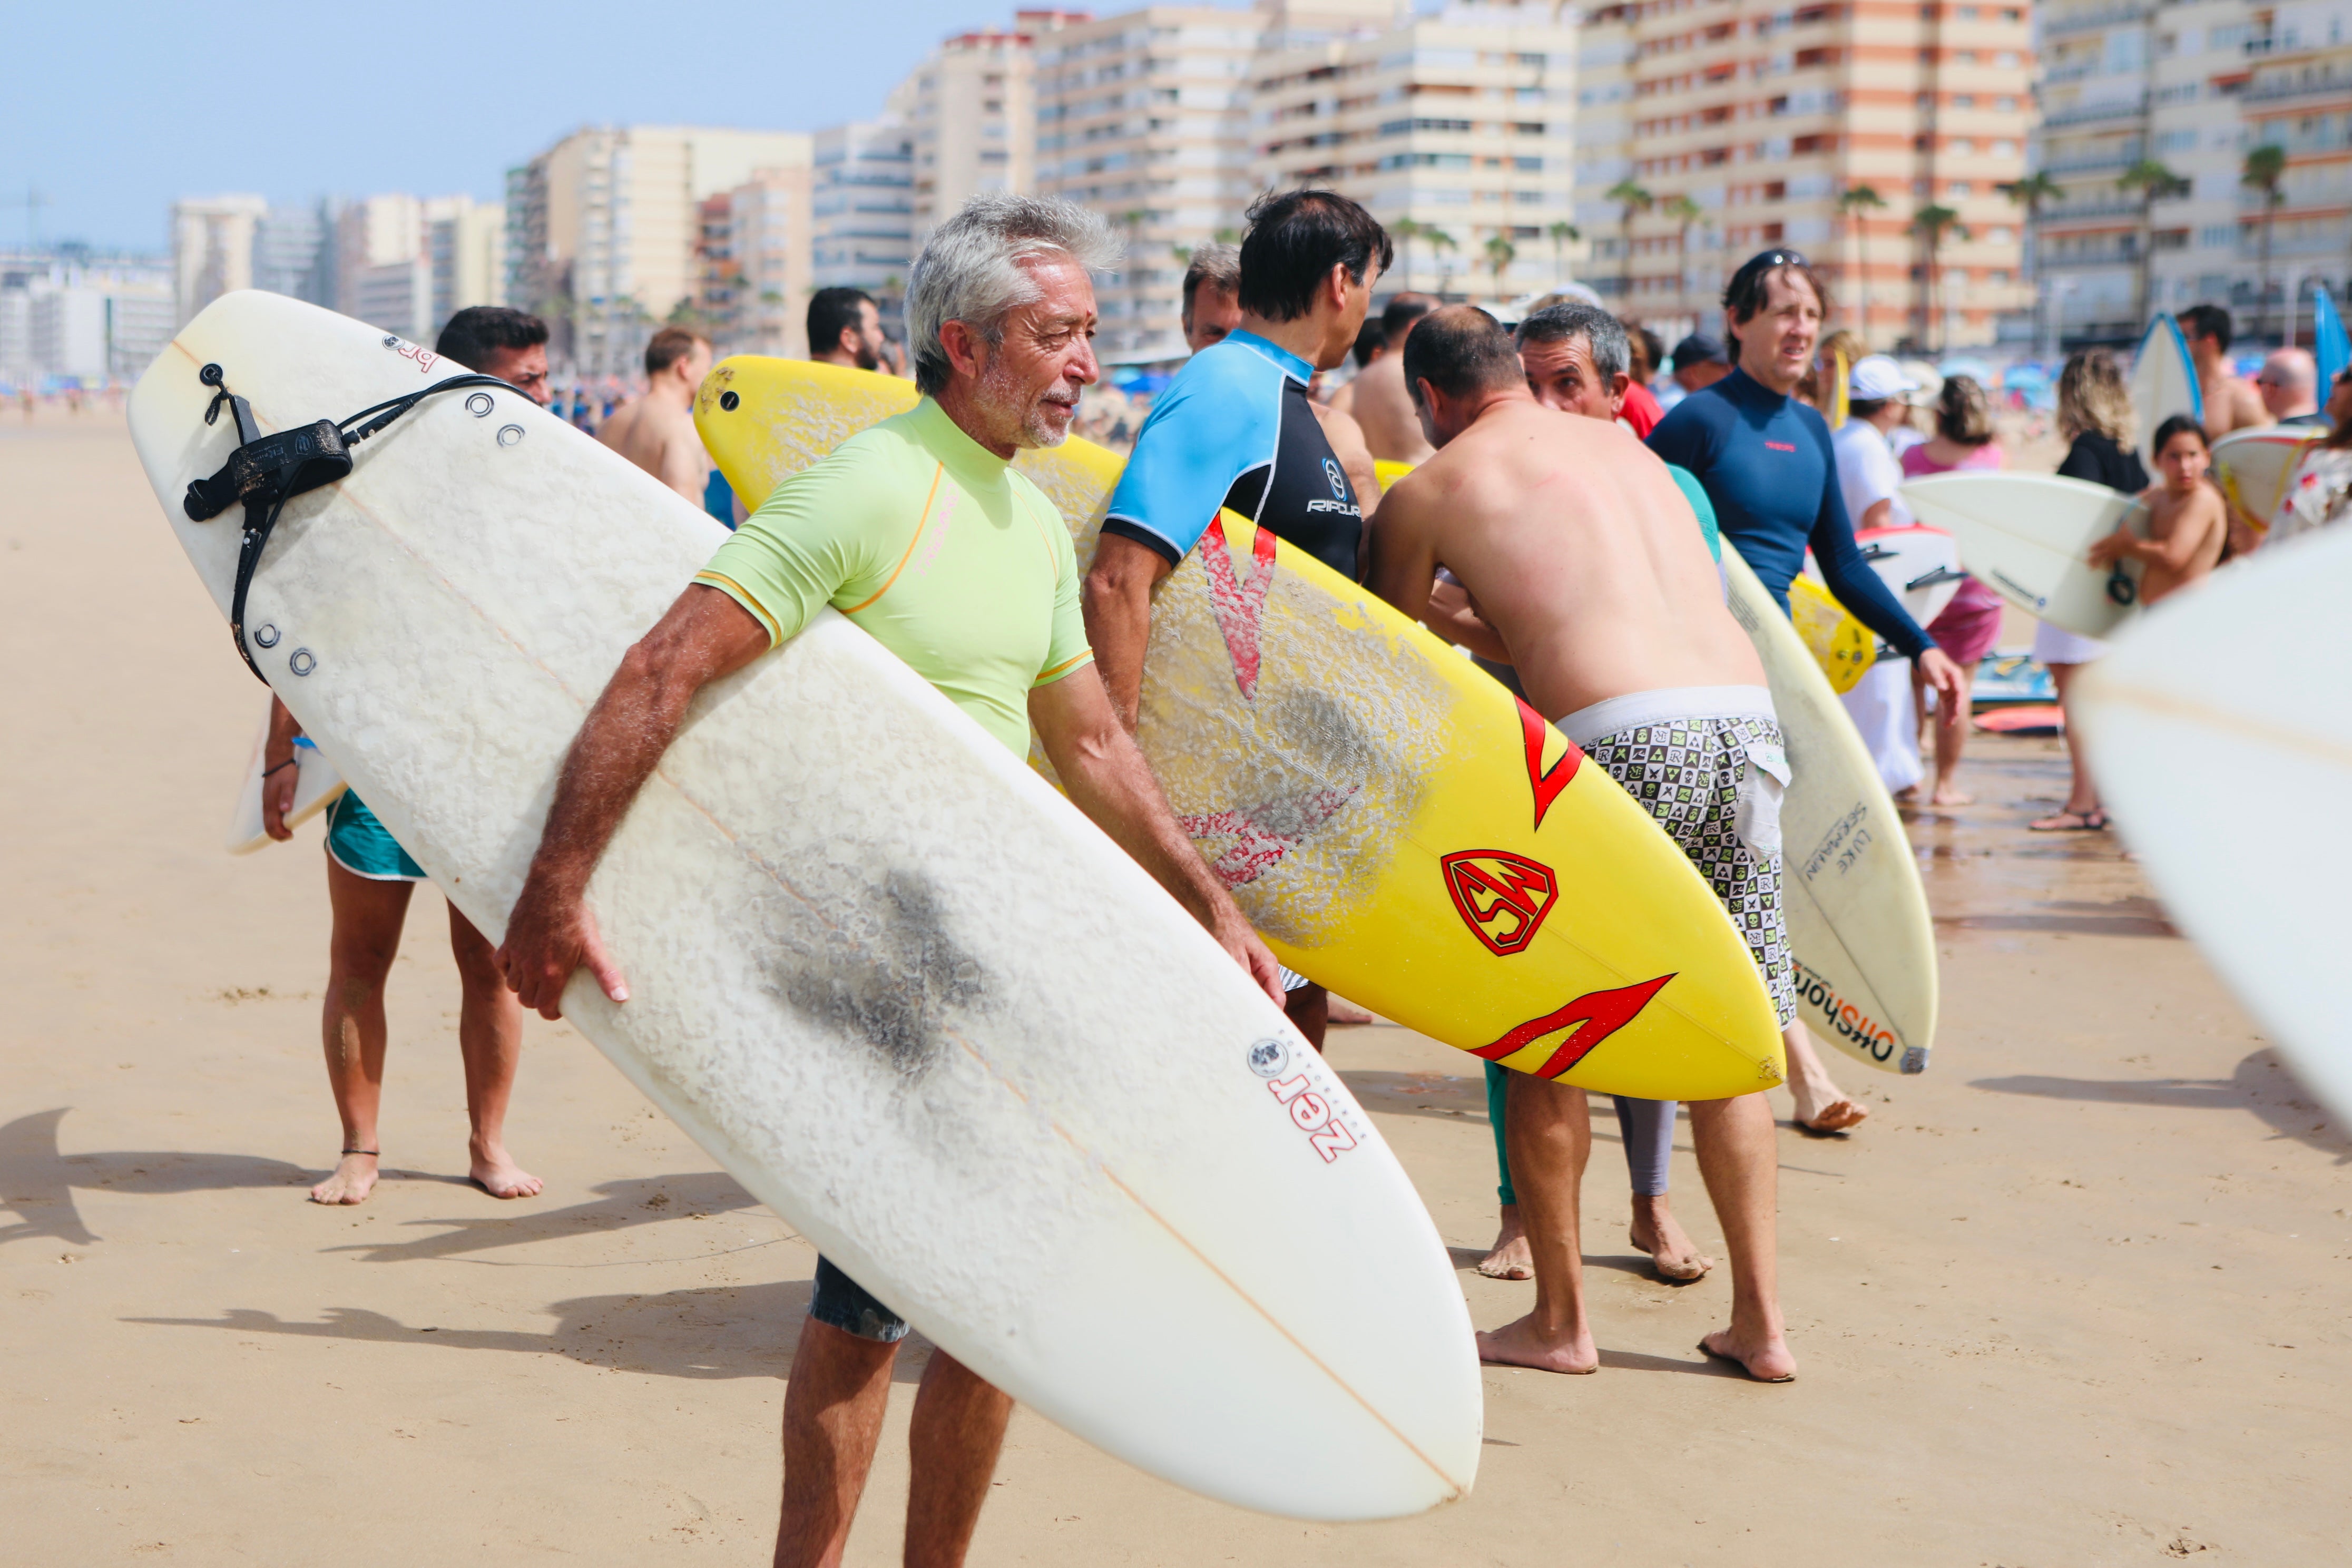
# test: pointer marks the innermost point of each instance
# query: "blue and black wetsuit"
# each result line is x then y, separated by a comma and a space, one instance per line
1765, 462
1235, 429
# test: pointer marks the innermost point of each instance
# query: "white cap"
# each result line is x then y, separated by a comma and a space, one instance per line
1877, 378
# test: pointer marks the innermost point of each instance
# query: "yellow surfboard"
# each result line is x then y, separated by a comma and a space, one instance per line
1394, 824
1841, 645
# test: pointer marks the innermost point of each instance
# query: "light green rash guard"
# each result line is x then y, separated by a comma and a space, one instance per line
934, 545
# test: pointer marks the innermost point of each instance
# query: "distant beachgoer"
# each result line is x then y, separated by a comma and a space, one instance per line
2230, 403
655, 430
1377, 399
2094, 414
2288, 385
1970, 625
2186, 523
371, 878
1639, 407
2319, 492
1699, 362
1880, 703
845, 327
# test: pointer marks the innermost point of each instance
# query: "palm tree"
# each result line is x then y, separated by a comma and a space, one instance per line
1500, 254
1562, 232
1440, 242
1851, 204
2030, 193
2152, 180
1932, 224
2264, 166
1405, 231
1631, 197
1682, 212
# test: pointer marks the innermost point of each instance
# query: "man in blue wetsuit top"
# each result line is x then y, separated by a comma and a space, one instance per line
1765, 462
1235, 429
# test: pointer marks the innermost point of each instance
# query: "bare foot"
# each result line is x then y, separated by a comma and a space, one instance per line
500, 1177
354, 1178
1950, 794
1345, 1014
1524, 1344
1655, 1231
1509, 1259
1822, 1106
1770, 1361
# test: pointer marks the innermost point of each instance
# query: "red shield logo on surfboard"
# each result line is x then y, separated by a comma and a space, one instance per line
1503, 896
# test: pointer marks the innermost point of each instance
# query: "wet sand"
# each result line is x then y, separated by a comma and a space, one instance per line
2076, 1296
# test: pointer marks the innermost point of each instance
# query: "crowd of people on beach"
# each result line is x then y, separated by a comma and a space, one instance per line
1573, 483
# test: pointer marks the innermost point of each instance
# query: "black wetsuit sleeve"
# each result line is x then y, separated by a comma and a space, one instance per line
1852, 582
2083, 463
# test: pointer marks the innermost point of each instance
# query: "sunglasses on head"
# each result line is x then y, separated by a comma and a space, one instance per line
1764, 261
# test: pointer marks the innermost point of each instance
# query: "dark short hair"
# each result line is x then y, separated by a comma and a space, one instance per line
2174, 426
1402, 312
1216, 264
1370, 339
1751, 286
669, 345
1460, 350
1295, 239
831, 310
1603, 334
2206, 321
1699, 348
474, 334
1653, 347
1864, 407
1963, 412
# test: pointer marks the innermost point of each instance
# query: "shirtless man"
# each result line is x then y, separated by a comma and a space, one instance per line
370, 879
2187, 520
1579, 549
845, 327
1212, 309
1377, 399
655, 431
2229, 404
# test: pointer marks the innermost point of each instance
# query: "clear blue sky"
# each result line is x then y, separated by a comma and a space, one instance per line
112, 110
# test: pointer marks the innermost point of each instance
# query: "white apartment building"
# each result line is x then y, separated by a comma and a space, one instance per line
756, 259
970, 114
1740, 124
67, 314
609, 229
294, 252
2298, 98
1456, 129
862, 210
212, 249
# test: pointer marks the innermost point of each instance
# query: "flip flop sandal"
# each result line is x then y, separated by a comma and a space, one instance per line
2092, 822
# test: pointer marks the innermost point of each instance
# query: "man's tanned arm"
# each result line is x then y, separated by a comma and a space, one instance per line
1116, 599
1404, 560
704, 636
1108, 779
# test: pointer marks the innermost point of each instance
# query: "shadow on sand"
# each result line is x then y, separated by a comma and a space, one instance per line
2261, 1085
38, 1182
713, 1332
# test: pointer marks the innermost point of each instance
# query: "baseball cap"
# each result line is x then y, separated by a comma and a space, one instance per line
1698, 349
1877, 378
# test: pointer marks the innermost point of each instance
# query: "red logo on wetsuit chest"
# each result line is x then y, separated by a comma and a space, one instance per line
1240, 607
1502, 897
1780, 447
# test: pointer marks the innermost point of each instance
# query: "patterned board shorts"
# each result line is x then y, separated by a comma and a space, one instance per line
1711, 784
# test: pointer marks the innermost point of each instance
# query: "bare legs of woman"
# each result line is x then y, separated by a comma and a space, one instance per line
368, 918
2084, 813
1950, 739
1822, 1106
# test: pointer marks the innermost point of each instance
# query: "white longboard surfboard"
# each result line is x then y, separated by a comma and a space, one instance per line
316, 786
2028, 537
1858, 920
903, 991
2221, 731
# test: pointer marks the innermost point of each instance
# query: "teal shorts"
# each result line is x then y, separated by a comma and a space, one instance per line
362, 846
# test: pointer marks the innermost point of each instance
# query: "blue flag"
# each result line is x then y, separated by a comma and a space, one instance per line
2330, 346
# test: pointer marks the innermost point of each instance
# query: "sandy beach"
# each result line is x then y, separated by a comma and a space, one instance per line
2076, 1296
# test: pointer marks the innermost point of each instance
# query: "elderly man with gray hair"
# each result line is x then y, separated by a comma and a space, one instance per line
1001, 318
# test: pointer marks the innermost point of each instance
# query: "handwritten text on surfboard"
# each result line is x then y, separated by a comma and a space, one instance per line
1846, 839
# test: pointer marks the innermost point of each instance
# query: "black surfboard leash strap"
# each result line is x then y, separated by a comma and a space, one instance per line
265, 472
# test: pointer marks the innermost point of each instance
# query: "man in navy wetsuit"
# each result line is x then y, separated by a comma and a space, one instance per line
1765, 461
1235, 429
